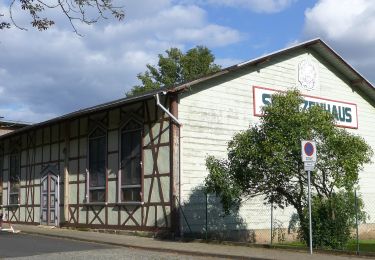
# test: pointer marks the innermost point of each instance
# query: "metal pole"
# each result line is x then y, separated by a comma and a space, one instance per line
356, 219
310, 226
206, 215
271, 221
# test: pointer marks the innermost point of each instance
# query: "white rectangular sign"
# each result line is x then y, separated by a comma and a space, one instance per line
308, 151
309, 166
345, 113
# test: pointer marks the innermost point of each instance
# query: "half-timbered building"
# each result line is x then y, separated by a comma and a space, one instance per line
138, 163
105, 167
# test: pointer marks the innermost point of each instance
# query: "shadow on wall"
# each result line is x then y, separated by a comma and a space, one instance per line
202, 216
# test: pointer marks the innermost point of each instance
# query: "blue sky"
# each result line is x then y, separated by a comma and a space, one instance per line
47, 74
263, 32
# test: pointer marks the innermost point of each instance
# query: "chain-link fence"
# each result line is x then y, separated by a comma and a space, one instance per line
202, 217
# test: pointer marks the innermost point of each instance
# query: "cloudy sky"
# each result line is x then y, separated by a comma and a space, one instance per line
50, 73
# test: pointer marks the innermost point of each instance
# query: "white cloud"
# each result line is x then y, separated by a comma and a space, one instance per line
338, 19
210, 35
349, 26
23, 114
258, 6
46, 74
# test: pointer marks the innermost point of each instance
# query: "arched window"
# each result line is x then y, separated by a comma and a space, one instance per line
131, 162
97, 166
14, 179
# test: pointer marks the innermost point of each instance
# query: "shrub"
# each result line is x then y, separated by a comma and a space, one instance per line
333, 220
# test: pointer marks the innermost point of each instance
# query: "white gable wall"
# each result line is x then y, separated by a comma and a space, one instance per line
214, 111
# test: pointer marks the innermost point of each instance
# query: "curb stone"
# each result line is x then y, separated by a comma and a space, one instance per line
166, 250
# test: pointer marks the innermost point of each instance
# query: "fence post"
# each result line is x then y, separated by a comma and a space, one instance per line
183, 214
356, 218
206, 214
271, 222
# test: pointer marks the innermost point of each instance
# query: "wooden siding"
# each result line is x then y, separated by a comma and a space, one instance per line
215, 110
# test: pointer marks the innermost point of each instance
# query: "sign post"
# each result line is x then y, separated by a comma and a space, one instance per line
308, 153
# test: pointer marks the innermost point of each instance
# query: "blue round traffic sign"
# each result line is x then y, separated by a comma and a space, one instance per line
309, 149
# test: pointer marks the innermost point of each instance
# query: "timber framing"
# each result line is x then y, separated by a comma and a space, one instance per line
62, 143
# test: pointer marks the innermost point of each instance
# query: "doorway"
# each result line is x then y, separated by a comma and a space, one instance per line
49, 200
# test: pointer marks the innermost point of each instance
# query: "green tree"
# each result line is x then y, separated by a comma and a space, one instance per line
85, 11
176, 68
266, 159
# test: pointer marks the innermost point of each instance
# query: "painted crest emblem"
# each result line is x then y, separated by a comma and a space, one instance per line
307, 75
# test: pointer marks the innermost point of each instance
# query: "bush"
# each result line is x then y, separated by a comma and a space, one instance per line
333, 220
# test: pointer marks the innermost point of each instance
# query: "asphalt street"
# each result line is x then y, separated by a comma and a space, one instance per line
16, 245
25, 246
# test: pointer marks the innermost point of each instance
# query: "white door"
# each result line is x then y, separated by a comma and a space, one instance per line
49, 201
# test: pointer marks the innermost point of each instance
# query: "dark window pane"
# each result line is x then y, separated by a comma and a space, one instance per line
125, 173
131, 141
131, 157
13, 199
131, 194
126, 146
97, 167
136, 143
14, 177
98, 132
97, 195
132, 125
136, 174
97, 155
97, 177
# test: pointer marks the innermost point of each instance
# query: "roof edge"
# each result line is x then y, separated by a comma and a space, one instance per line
268, 57
86, 111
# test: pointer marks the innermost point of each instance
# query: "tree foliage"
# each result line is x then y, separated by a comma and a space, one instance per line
333, 219
176, 68
266, 159
85, 11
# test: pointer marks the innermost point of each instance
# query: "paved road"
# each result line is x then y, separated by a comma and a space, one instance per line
15, 245
24, 246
